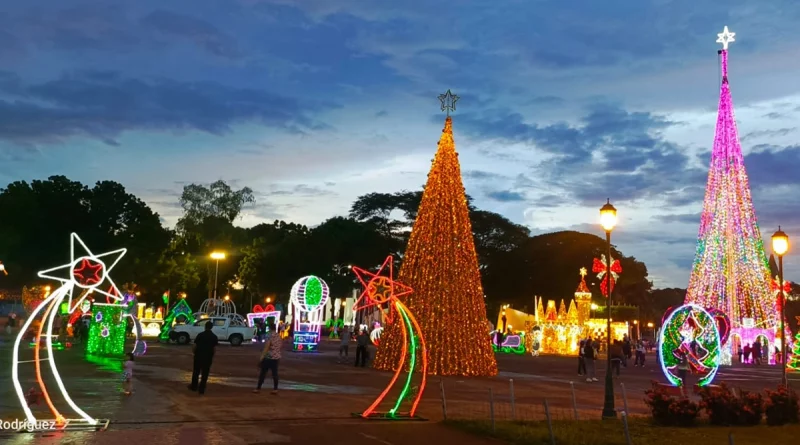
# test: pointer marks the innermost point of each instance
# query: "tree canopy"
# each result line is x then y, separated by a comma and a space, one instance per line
267, 258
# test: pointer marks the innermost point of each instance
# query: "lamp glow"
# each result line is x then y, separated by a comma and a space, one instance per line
780, 242
608, 216
217, 255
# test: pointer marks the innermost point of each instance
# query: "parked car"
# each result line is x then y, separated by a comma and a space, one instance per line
235, 333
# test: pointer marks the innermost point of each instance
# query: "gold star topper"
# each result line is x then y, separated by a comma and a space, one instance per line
583, 272
448, 101
726, 37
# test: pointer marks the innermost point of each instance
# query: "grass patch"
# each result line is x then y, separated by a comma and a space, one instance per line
642, 431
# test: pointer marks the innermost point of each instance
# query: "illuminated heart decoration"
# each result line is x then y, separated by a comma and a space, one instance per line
257, 309
723, 324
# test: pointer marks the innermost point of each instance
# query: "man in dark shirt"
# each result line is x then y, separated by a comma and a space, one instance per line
204, 345
361, 348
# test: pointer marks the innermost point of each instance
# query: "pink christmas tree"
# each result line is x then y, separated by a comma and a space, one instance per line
731, 271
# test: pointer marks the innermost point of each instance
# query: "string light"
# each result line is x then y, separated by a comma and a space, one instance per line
692, 331
77, 276
599, 267
441, 265
731, 270
308, 297
382, 290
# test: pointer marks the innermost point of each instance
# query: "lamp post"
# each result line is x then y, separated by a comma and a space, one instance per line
780, 245
217, 256
608, 219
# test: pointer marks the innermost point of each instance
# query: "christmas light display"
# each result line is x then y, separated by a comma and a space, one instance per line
731, 270
441, 265
375, 335
690, 330
599, 266
264, 314
380, 291
308, 297
512, 344
794, 361
86, 273
180, 313
107, 331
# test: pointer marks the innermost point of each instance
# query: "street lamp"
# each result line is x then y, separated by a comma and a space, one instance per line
216, 255
227, 297
608, 219
780, 245
3, 268
269, 299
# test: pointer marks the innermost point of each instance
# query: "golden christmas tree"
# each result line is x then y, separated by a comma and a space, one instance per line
441, 265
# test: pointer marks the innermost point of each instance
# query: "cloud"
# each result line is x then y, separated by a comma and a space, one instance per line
768, 133
609, 152
682, 218
506, 196
768, 168
104, 104
299, 190
197, 31
382, 113
480, 175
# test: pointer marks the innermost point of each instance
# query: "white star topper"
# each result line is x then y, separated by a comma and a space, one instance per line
726, 37
87, 272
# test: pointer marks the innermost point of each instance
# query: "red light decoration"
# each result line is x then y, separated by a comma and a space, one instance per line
599, 267
257, 309
88, 272
776, 290
378, 290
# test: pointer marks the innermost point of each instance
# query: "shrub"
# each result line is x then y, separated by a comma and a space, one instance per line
667, 410
720, 404
751, 408
781, 406
683, 412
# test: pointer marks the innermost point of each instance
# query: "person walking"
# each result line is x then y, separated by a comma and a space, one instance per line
641, 352
361, 347
617, 351
127, 375
270, 358
589, 355
581, 360
739, 352
204, 346
344, 343
683, 371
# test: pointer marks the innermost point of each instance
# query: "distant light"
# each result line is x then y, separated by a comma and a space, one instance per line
216, 255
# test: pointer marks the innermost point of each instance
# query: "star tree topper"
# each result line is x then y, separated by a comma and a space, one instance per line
448, 101
380, 289
725, 37
87, 272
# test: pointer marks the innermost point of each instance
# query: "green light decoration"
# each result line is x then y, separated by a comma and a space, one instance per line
107, 331
64, 308
412, 361
794, 362
313, 294
181, 308
519, 349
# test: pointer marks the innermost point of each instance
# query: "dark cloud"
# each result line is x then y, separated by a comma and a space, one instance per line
769, 168
683, 218
610, 152
480, 175
773, 115
91, 25
506, 196
382, 113
768, 133
299, 190
102, 105
199, 32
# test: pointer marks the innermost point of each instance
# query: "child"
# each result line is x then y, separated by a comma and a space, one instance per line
127, 375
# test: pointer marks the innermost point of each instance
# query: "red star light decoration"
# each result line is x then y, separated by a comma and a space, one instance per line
599, 267
87, 272
380, 289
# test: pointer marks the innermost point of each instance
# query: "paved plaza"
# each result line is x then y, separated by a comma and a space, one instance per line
318, 396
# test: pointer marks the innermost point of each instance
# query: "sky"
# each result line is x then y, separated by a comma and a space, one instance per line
313, 103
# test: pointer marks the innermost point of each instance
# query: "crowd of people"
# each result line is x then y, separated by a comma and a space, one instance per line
620, 352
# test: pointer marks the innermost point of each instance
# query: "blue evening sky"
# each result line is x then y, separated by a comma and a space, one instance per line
315, 102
